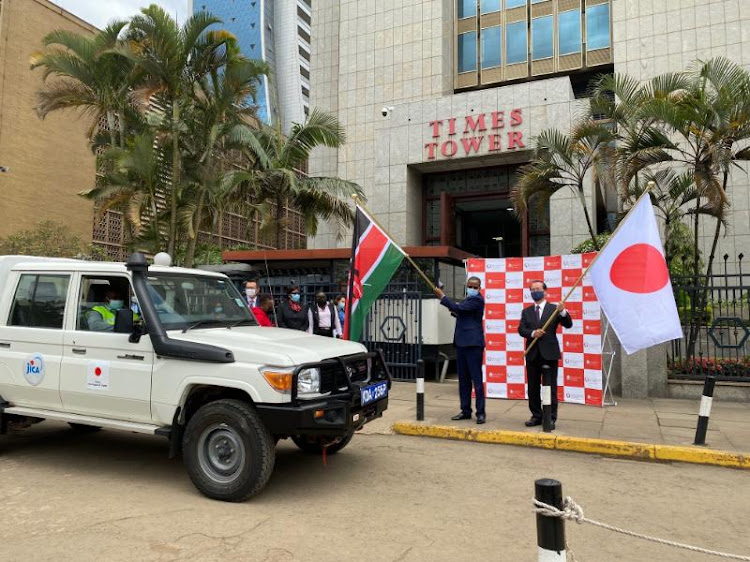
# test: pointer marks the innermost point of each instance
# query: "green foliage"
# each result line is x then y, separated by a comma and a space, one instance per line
50, 239
588, 245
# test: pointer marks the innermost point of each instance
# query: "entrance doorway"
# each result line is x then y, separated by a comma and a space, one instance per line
487, 227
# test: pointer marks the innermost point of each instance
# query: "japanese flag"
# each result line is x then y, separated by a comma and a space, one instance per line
631, 280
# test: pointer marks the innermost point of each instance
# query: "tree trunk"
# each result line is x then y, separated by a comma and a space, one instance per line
172, 239
190, 257
279, 219
582, 197
111, 127
696, 292
121, 127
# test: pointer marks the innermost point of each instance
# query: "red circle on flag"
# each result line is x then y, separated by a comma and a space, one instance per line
97, 371
639, 268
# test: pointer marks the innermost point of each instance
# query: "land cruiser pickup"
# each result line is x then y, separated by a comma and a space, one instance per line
176, 352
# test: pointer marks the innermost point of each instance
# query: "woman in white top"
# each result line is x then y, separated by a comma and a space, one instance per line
323, 320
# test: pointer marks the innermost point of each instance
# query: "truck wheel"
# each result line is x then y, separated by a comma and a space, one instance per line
228, 452
315, 445
81, 428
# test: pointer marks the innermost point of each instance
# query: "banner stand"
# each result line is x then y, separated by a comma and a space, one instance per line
611, 354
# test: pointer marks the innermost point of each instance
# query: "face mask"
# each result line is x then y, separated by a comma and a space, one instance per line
294, 297
537, 295
250, 292
116, 305
342, 305
218, 309
472, 292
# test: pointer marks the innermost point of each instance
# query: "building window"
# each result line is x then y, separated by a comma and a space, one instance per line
541, 38
467, 8
597, 27
515, 42
467, 52
489, 6
569, 33
491, 46
514, 4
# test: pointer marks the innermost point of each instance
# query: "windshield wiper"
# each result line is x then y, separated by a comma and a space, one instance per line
201, 323
240, 322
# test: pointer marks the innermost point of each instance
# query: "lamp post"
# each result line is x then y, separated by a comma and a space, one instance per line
499, 240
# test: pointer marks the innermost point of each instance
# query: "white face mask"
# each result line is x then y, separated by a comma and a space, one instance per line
250, 292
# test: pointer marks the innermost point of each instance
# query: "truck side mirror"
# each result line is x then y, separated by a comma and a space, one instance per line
124, 321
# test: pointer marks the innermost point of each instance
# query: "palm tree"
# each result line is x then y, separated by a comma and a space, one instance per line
83, 73
277, 179
170, 59
561, 161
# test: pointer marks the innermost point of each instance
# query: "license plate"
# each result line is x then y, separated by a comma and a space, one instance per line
374, 392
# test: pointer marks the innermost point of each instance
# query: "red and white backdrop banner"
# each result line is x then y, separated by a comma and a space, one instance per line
505, 285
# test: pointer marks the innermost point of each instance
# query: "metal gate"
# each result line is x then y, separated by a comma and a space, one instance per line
394, 325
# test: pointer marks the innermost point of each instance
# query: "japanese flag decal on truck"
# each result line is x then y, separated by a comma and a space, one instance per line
98, 375
33, 369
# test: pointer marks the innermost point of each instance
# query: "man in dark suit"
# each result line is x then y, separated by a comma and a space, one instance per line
469, 342
546, 351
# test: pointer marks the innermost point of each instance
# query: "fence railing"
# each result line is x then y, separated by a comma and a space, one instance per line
715, 316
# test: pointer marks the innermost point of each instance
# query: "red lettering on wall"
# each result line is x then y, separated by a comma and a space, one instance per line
516, 118
472, 144
498, 119
452, 126
449, 148
431, 146
496, 143
435, 128
475, 124
515, 140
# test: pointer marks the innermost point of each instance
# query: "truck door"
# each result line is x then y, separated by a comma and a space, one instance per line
31, 340
103, 374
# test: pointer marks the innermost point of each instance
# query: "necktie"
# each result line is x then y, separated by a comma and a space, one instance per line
538, 316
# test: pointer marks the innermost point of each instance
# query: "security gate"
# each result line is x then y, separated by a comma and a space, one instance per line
394, 325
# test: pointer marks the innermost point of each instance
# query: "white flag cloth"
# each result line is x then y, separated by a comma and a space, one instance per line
631, 281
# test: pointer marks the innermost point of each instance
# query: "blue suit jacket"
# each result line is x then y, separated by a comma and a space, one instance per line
469, 329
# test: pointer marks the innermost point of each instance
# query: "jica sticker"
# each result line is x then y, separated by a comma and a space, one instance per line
33, 369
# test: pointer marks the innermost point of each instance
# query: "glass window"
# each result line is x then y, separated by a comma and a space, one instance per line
514, 3
488, 6
39, 301
100, 299
467, 52
515, 42
597, 27
541, 38
491, 46
467, 8
569, 34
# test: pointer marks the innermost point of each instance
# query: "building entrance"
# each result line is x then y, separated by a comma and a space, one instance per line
487, 227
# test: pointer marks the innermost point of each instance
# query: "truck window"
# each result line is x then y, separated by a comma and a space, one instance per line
100, 299
39, 301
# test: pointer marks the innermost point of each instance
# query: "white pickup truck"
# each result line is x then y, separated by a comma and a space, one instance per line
175, 352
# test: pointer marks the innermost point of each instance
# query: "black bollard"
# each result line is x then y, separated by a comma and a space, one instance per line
705, 411
546, 398
550, 531
420, 390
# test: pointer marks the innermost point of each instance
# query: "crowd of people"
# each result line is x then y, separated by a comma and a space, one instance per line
323, 318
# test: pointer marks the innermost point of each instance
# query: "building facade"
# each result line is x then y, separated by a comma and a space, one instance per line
441, 99
277, 32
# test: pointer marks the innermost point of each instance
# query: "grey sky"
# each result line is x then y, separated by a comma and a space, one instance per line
100, 12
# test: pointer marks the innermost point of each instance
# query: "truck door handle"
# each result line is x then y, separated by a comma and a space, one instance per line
6, 345
131, 357
79, 351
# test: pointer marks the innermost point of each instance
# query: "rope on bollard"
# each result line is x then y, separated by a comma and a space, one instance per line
571, 511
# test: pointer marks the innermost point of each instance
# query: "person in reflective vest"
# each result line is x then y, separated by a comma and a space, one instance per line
102, 317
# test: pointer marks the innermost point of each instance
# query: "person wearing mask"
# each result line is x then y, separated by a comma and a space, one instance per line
322, 319
469, 342
546, 351
264, 311
101, 318
292, 313
340, 302
251, 294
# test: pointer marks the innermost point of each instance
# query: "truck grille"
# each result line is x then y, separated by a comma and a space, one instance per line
334, 379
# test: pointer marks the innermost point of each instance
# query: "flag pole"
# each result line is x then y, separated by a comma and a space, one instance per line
427, 280
350, 285
549, 321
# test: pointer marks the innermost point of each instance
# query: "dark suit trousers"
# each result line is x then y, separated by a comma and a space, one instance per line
534, 374
469, 362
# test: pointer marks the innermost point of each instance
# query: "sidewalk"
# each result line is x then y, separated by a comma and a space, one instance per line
655, 422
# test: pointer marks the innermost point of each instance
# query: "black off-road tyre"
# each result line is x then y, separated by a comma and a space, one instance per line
82, 428
228, 452
315, 445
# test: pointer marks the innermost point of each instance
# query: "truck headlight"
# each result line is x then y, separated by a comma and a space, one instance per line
308, 381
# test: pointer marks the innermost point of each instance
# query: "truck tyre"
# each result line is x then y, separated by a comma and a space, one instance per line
228, 452
81, 428
315, 445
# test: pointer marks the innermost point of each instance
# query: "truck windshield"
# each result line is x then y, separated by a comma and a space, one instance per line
183, 301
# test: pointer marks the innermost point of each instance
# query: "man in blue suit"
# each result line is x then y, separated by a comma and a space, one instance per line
469, 342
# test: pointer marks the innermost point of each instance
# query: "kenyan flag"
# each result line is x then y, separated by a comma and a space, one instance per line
375, 258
